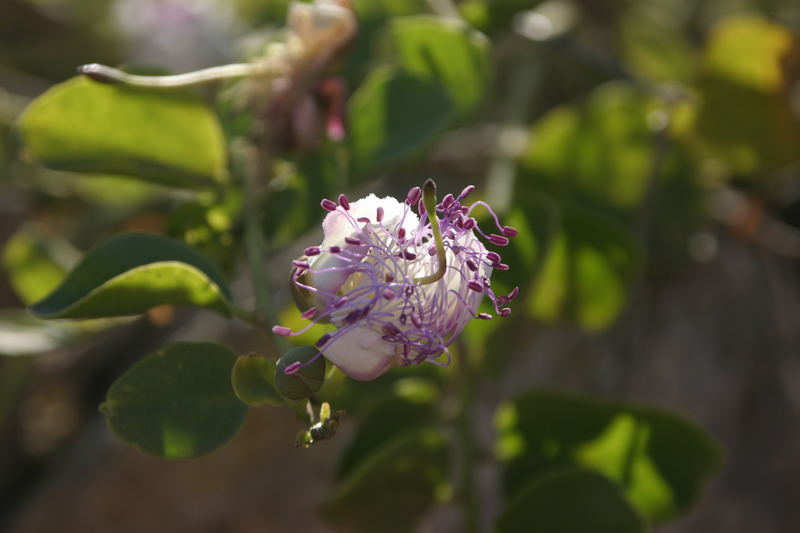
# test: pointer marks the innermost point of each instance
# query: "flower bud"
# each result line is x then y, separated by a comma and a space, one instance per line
300, 373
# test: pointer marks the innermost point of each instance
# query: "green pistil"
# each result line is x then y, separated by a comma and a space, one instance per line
429, 201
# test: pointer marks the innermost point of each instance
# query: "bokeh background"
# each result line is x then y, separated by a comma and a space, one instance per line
648, 151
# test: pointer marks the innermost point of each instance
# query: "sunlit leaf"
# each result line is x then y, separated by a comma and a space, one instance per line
253, 381
659, 460
391, 489
394, 115
447, 53
586, 270
746, 119
36, 261
177, 403
132, 273
168, 137
570, 500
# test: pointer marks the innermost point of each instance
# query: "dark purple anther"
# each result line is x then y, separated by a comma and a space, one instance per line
390, 330
301, 264
493, 257
388, 294
500, 266
506, 311
408, 256
475, 286
363, 220
508, 231
469, 224
484, 316
328, 205
401, 233
323, 340
432, 250
311, 251
344, 202
352, 240
468, 189
471, 265
413, 195
379, 214
334, 249
447, 200
421, 208
309, 313
416, 320
340, 302
498, 240
512, 294
281, 331
292, 368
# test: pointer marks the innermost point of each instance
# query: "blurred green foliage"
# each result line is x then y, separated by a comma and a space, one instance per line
602, 131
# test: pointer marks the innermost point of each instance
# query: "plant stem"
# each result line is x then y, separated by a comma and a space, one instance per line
256, 256
466, 439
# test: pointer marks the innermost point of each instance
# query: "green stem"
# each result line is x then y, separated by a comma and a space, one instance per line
466, 439
429, 201
255, 245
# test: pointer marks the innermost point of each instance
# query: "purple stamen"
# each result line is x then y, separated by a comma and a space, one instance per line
309, 313
344, 202
379, 214
311, 251
352, 240
499, 240
328, 205
334, 249
413, 196
301, 265
475, 286
292, 367
281, 331
508, 231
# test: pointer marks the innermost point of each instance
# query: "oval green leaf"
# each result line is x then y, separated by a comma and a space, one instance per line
659, 460
446, 52
252, 381
177, 403
391, 489
393, 115
570, 500
132, 273
168, 137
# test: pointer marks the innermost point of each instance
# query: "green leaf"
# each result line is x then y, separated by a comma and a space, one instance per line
392, 116
169, 137
252, 379
36, 261
570, 500
393, 488
447, 52
132, 273
388, 417
659, 460
747, 67
586, 270
177, 403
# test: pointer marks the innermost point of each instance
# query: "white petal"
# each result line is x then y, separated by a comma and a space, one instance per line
336, 226
361, 354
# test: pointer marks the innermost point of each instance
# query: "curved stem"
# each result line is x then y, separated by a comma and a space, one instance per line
105, 74
429, 201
